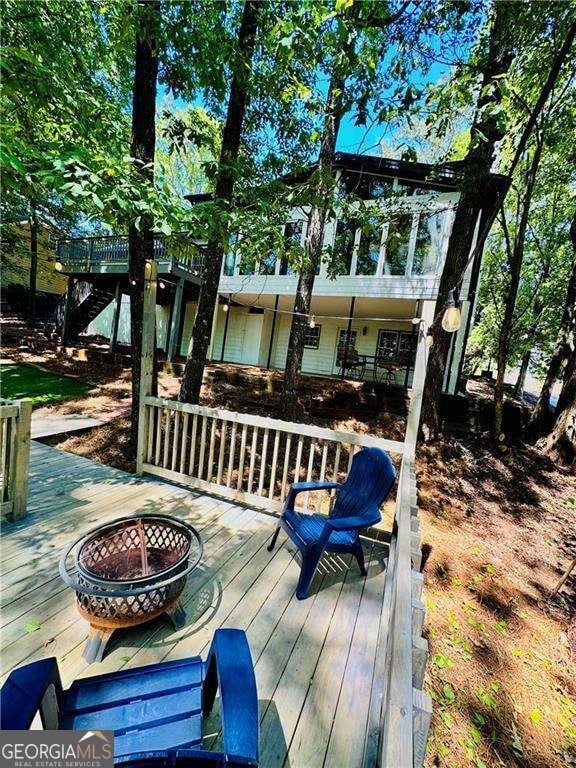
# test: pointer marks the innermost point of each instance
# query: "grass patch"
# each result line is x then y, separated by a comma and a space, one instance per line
19, 381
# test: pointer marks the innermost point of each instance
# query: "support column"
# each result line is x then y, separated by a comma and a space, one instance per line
147, 360
272, 331
174, 339
225, 333
348, 332
413, 420
213, 330
67, 310
116, 318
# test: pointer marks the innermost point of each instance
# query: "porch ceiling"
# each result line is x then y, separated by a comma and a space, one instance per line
400, 309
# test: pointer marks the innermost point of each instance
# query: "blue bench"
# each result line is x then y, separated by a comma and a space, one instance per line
156, 711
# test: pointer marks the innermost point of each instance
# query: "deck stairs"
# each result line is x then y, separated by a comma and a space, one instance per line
88, 301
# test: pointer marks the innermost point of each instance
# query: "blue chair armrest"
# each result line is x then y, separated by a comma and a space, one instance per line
22, 693
313, 485
229, 667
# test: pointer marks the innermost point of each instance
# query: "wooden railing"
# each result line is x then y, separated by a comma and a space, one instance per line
84, 253
407, 709
14, 457
247, 458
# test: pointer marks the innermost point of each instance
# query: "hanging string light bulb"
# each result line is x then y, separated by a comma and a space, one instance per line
452, 319
58, 266
225, 308
429, 340
312, 322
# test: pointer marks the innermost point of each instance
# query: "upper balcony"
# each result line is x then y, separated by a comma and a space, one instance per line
176, 254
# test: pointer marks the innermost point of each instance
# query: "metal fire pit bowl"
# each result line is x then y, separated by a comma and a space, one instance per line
128, 572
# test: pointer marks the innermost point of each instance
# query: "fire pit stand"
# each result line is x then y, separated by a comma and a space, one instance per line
128, 572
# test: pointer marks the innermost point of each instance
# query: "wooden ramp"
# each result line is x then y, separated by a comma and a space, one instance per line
319, 662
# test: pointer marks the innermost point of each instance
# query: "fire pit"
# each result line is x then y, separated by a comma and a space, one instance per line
129, 572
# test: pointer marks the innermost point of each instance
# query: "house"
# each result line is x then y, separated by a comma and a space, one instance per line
16, 261
372, 308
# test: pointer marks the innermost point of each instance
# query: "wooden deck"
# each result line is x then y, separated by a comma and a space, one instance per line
319, 662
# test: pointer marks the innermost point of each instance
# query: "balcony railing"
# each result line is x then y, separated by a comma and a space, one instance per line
91, 254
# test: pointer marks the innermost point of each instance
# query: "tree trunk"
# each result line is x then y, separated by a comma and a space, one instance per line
565, 345
312, 251
33, 265
141, 238
515, 257
561, 443
194, 370
521, 380
475, 190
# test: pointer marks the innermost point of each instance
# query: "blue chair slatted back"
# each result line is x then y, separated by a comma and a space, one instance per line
370, 480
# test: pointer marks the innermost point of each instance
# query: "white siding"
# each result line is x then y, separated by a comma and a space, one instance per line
102, 324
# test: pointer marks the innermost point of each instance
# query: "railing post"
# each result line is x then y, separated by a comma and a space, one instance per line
20, 469
147, 359
418, 379
67, 310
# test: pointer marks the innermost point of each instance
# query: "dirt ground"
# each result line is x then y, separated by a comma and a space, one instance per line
497, 530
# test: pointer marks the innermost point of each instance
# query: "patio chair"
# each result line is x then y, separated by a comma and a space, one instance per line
156, 712
348, 359
357, 506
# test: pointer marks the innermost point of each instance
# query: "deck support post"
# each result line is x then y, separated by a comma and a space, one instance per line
422, 718
174, 333
116, 318
348, 334
418, 379
20, 469
213, 329
225, 332
67, 310
147, 360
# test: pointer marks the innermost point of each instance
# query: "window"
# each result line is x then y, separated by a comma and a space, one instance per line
369, 248
405, 348
344, 246
397, 244
343, 338
292, 240
387, 345
428, 244
267, 265
380, 187
312, 337
394, 346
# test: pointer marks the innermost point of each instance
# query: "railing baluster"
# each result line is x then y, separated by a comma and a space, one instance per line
168, 415
202, 447
183, 445
241, 459
151, 411
223, 432
231, 456
274, 462
322, 476
350, 457
298, 458
252, 458
193, 444
211, 452
286, 465
175, 439
158, 436
263, 462
336, 463
309, 470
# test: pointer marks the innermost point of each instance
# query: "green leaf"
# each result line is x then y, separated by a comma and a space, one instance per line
448, 692
536, 716
478, 719
442, 661
32, 626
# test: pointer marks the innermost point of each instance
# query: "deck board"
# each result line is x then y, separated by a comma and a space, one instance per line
314, 659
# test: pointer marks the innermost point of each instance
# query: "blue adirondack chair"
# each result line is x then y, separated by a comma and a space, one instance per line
357, 506
156, 711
